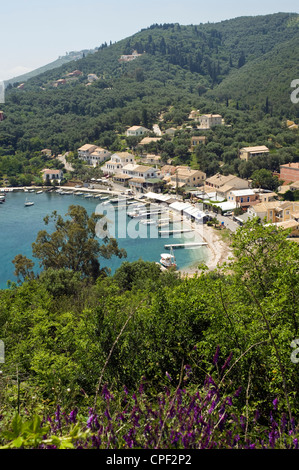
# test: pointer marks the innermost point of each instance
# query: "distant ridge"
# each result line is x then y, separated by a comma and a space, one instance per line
69, 57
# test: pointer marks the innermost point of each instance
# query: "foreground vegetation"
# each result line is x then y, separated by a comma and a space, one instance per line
149, 359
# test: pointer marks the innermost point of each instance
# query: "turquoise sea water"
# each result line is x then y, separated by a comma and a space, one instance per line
19, 226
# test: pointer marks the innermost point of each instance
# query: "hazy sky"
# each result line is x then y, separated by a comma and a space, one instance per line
36, 32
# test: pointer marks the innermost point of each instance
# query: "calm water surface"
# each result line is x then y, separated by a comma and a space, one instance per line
19, 226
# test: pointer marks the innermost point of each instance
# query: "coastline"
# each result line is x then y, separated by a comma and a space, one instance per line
219, 251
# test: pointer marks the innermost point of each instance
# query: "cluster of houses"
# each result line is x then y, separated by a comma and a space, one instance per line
91, 77
225, 193
143, 174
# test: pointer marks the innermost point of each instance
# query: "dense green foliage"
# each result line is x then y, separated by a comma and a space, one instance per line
59, 330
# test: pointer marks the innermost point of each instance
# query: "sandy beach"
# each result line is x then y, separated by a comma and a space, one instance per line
219, 251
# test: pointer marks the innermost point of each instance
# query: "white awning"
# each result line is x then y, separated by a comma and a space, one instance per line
179, 206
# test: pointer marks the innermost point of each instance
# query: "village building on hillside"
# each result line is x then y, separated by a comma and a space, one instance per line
194, 114
171, 131
117, 162
139, 171
289, 172
166, 171
197, 140
75, 73
59, 82
50, 175
185, 176
274, 211
92, 154
149, 140
291, 125
46, 152
136, 131
248, 152
92, 77
243, 197
294, 186
218, 181
137, 177
129, 57
151, 159
207, 121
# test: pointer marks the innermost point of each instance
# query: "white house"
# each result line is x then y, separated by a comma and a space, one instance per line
92, 154
136, 131
50, 175
117, 162
140, 171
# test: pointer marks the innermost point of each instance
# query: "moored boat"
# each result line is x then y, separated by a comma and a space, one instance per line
168, 260
28, 203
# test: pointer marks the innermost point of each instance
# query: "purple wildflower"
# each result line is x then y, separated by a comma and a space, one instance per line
106, 394
275, 403
73, 415
256, 415
214, 402
216, 356
168, 376
229, 401
227, 362
188, 370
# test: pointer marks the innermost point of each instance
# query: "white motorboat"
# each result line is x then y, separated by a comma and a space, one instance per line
28, 203
148, 222
168, 260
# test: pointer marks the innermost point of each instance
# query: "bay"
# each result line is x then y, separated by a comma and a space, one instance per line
19, 226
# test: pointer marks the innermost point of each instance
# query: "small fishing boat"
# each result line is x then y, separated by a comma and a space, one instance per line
39, 192
28, 203
168, 260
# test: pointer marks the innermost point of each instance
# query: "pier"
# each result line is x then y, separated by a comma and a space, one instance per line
185, 245
172, 232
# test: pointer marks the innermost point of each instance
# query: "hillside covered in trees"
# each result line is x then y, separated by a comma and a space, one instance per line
240, 68
182, 67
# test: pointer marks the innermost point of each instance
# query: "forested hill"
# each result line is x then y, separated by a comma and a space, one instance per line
179, 67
